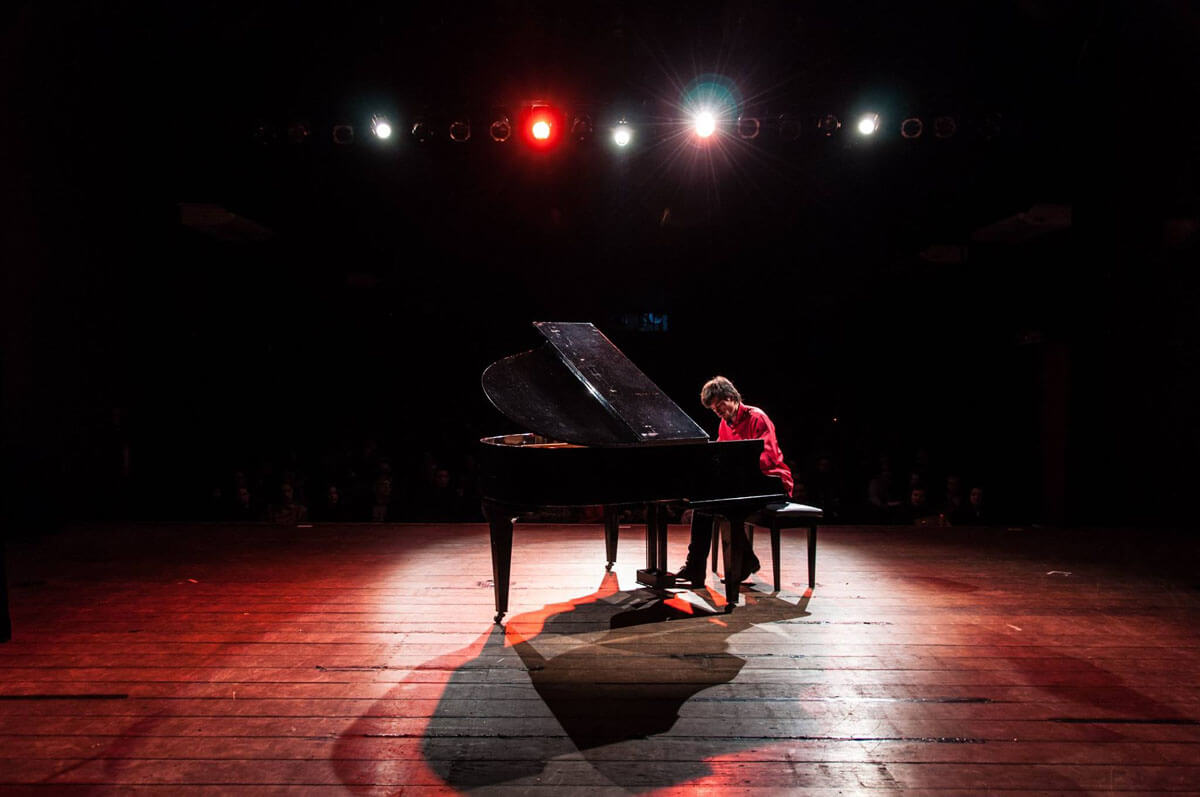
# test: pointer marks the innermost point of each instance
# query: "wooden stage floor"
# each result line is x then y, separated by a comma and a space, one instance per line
363, 660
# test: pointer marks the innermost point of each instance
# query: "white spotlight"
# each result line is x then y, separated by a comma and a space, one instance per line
381, 128
705, 123
622, 135
868, 124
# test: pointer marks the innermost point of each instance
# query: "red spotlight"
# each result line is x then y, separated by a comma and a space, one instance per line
543, 126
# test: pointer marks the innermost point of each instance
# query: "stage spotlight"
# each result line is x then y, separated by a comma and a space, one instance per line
829, 124
912, 127
945, 126
748, 126
582, 127
298, 133
542, 126
460, 131
704, 122
622, 134
381, 127
500, 129
868, 124
789, 127
343, 134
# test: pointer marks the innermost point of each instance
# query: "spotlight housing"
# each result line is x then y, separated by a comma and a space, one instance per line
381, 127
298, 132
500, 129
912, 127
582, 127
422, 131
343, 134
829, 124
748, 127
704, 122
945, 126
460, 131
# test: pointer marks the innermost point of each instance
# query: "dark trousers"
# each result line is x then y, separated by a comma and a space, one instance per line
704, 526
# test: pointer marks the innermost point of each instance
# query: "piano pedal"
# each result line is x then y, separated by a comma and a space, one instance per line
659, 579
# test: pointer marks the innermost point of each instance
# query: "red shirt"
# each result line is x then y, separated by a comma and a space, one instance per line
751, 423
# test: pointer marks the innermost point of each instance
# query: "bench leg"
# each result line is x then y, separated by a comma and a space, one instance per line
812, 556
775, 553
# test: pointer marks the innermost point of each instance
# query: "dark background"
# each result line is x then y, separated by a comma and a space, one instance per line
364, 288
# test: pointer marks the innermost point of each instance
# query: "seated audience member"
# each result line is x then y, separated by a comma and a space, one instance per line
917, 509
973, 514
880, 497
440, 499
331, 508
286, 511
381, 509
953, 501
244, 506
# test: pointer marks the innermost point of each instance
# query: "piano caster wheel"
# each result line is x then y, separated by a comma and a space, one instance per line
608, 567
729, 609
499, 617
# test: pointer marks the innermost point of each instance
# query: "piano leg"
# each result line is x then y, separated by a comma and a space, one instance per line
655, 574
651, 538
500, 520
735, 553
612, 528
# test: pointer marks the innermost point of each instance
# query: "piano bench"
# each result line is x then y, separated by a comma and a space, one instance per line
784, 516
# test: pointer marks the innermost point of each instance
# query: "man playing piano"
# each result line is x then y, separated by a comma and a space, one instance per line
738, 422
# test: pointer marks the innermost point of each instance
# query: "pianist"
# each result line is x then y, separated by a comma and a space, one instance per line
738, 422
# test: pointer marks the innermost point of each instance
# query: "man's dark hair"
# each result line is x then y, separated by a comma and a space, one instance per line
718, 388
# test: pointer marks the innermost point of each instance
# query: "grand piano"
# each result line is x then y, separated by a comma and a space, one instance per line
600, 432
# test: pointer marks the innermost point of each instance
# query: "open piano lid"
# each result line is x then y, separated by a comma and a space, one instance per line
579, 388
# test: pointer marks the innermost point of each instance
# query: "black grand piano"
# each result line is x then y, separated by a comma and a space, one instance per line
601, 433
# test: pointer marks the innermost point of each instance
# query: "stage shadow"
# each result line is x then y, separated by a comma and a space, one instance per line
610, 667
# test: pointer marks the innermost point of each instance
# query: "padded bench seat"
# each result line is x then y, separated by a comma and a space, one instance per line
787, 515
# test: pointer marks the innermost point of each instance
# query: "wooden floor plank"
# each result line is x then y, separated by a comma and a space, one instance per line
210, 659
